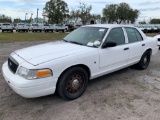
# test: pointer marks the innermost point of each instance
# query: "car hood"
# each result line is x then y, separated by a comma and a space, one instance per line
39, 54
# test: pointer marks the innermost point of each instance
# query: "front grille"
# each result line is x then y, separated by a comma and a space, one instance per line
158, 39
12, 64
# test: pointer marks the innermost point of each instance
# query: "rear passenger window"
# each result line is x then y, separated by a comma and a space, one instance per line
133, 35
139, 37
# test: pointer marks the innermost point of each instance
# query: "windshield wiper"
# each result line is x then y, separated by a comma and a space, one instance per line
65, 40
76, 42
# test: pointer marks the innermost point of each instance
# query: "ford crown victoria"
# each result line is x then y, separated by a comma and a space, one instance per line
66, 66
158, 39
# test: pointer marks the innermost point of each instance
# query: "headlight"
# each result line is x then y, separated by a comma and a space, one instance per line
34, 74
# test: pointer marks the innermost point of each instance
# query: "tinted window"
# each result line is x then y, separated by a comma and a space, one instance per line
20, 24
116, 35
133, 35
35, 25
5, 24
139, 37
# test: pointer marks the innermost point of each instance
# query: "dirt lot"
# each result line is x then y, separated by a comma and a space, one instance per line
128, 94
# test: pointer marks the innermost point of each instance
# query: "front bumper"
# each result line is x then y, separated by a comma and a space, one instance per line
29, 88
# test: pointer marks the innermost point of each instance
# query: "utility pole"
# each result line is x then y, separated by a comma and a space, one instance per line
31, 18
25, 19
37, 15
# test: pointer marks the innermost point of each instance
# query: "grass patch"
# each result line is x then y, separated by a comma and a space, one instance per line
22, 37
151, 34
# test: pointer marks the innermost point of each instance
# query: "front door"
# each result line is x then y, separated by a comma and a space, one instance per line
114, 58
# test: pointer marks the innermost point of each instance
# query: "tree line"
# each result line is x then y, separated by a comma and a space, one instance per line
4, 18
57, 12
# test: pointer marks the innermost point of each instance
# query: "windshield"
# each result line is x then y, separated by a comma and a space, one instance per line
6, 24
34, 24
86, 35
20, 24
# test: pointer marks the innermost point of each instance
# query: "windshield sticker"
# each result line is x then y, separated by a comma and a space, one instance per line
101, 30
90, 44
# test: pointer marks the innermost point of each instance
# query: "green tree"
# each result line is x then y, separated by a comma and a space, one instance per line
84, 13
74, 14
155, 21
142, 22
17, 20
110, 13
120, 12
56, 11
4, 19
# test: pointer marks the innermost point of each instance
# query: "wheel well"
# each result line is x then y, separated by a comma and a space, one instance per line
86, 68
149, 50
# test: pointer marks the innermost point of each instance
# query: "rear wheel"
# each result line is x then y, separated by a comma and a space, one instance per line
144, 61
72, 83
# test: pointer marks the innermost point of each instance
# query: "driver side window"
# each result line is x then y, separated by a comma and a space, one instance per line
116, 35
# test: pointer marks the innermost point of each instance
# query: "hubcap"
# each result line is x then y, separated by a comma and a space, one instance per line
145, 60
74, 83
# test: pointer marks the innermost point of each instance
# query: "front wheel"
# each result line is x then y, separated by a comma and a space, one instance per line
72, 83
144, 61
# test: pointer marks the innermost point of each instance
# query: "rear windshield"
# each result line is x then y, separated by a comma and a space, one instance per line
35, 25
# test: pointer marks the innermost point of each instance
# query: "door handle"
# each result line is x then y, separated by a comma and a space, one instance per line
143, 44
126, 48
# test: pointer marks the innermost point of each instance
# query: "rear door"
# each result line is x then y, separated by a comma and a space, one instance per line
136, 44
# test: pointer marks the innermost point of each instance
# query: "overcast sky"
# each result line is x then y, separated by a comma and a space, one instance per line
18, 8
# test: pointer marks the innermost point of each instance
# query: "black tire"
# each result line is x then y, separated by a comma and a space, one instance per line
72, 83
144, 61
2, 31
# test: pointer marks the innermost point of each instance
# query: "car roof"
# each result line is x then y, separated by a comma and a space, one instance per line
108, 25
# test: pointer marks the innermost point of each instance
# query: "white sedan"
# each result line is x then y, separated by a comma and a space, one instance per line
158, 39
66, 66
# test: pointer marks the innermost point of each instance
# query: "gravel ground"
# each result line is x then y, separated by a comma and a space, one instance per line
128, 94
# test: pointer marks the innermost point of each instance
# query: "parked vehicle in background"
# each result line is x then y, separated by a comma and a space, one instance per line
71, 27
37, 28
141, 28
21, 27
6, 27
0, 26
77, 26
48, 28
158, 39
30, 27
60, 27
66, 66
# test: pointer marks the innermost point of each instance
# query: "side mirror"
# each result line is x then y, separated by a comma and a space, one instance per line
109, 44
